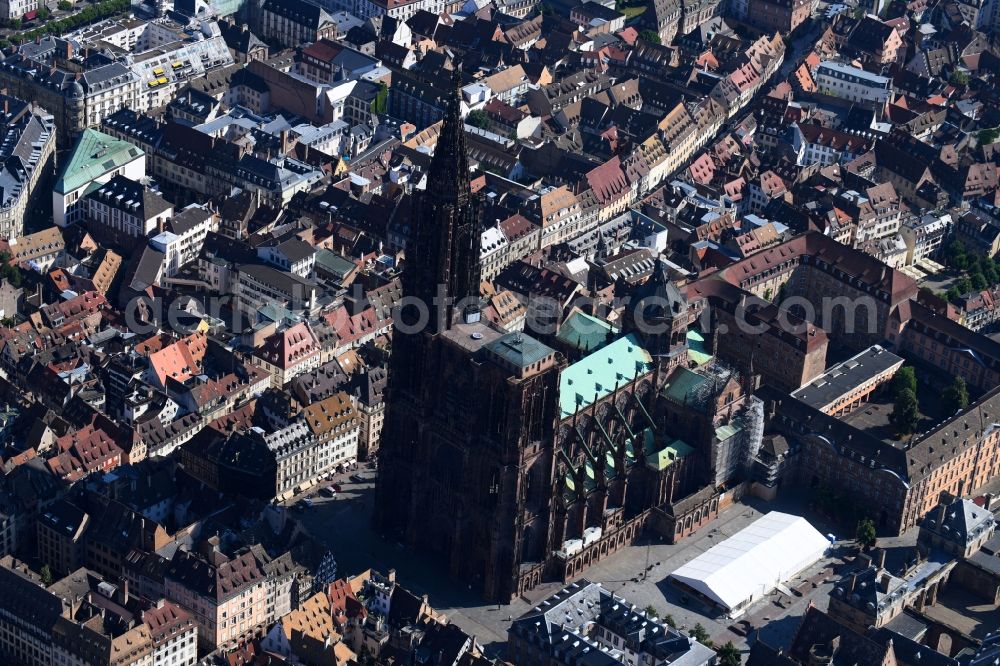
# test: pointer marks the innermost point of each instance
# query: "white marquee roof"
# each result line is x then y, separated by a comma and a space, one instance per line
755, 560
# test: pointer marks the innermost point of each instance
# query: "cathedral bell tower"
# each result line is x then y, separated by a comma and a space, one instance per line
658, 313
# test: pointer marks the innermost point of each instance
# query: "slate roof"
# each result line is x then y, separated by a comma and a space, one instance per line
216, 581
298, 11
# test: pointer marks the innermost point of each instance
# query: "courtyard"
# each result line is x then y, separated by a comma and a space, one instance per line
638, 573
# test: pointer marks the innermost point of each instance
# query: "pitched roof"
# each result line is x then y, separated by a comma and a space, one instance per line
219, 580
598, 374
330, 414
95, 154
181, 360
289, 347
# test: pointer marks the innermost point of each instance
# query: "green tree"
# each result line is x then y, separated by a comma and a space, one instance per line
14, 24
959, 78
669, 620
699, 634
650, 36
865, 533
8, 271
905, 412
478, 118
381, 103
988, 136
64, 5
955, 255
989, 271
651, 611
955, 397
729, 655
964, 285
44, 13
904, 379
46, 574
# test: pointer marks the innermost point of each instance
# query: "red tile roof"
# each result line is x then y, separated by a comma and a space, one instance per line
181, 360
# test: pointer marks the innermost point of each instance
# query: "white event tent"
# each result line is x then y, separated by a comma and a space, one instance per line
748, 565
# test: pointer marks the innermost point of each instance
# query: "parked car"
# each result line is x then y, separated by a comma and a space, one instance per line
328, 491
357, 478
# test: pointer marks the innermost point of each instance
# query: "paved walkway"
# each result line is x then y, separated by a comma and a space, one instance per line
344, 524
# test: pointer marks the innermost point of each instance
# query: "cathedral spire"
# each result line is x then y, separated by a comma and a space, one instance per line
443, 255
449, 174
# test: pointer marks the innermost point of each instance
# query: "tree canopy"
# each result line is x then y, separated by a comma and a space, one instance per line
956, 397
865, 533
729, 655
650, 36
478, 118
904, 379
905, 412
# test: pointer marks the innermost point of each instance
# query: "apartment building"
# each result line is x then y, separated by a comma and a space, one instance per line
49, 72
27, 147
852, 83
225, 594
174, 634
335, 424
123, 212
38, 251
258, 285
96, 158
782, 16
183, 237
292, 23
370, 403
596, 621
296, 453
288, 353
292, 254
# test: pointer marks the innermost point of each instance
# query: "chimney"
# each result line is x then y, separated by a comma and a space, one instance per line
883, 583
68, 50
879, 558
987, 501
121, 593
865, 560
942, 511
392, 575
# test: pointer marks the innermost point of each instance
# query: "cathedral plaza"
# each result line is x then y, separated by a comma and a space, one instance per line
622, 573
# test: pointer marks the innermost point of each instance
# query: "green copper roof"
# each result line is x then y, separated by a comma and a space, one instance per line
660, 460
334, 263
95, 154
722, 433
599, 372
696, 348
682, 384
585, 332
